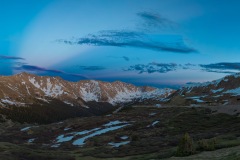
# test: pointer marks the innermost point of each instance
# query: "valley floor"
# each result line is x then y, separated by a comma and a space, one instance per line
133, 133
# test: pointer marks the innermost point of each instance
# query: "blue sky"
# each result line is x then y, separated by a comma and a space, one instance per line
146, 42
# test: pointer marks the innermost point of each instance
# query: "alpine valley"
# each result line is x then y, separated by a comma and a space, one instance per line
49, 118
49, 99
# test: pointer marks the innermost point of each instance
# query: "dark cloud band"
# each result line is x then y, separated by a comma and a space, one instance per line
222, 67
91, 68
32, 68
3, 57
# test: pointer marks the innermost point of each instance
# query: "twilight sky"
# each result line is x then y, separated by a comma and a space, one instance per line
145, 42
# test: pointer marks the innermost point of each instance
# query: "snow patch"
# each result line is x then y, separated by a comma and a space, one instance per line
68, 103
26, 128
235, 91
52, 90
114, 144
152, 114
31, 140
81, 141
124, 137
34, 82
62, 138
217, 90
55, 145
197, 98
90, 95
153, 124
113, 123
66, 129
42, 99
10, 102
128, 95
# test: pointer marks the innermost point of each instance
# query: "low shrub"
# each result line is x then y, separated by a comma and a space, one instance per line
186, 146
207, 144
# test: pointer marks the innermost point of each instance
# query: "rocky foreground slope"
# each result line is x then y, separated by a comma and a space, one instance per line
23, 89
140, 133
224, 91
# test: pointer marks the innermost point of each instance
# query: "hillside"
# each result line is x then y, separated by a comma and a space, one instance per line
224, 91
30, 98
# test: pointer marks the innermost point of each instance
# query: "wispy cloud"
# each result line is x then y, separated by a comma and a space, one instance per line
125, 58
91, 68
152, 21
3, 57
222, 67
136, 37
122, 57
122, 38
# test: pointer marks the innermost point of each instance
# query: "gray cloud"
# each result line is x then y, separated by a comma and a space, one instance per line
218, 71
91, 68
188, 66
3, 57
153, 67
121, 38
222, 67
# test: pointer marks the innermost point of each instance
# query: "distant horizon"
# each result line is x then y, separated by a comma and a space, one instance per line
146, 43
107, 80
161, 86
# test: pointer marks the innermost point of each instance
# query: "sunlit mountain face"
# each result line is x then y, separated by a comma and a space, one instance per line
154, 43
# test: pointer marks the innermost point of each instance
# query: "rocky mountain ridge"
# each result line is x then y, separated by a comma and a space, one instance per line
22, 89
222, 91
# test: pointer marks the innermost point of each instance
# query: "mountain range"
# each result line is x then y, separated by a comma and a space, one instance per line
24, 88
30, 98
42, 96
